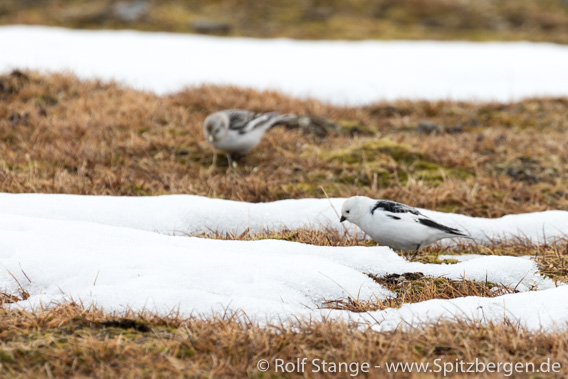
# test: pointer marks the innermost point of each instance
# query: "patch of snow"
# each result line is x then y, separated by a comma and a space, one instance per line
119, 267
192, 215
535, 310
339, 72
469, 257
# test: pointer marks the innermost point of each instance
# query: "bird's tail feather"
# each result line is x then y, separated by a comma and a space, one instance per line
268, 120
461, 234
283, 118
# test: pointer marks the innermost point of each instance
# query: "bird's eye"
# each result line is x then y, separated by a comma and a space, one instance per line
346, 211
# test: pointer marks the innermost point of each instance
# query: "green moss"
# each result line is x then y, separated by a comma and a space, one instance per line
380, 163
139, 189
425, 166
185, 351
449, 208
399, 152
435, 174
45, 100
356, 127
302, 187
375, 161
319, 177
374, 151
6, 357
305, 188
130, 334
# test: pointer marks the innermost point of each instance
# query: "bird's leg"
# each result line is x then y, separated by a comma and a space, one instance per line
415, 252
214, 159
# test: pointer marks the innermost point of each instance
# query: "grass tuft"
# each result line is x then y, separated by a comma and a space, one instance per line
71, 340
414, 287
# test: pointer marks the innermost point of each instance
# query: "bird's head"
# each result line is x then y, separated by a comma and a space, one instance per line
352, 208
216, 126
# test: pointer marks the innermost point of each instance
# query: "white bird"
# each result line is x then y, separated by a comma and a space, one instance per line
238, 131
394, 224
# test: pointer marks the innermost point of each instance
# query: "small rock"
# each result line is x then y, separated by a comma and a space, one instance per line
501, 140
428, 127
182, 152
454, 129
15, 118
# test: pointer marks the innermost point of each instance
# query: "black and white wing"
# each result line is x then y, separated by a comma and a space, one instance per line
244, 121
240, 119
393, 207
403, 212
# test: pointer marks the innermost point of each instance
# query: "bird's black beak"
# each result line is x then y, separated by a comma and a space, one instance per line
342, 219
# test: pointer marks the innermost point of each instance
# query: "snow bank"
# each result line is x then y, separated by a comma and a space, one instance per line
339, 72
188, 214
534, 310
117, 268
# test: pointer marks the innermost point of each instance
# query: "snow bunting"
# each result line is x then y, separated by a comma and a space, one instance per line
394, 224
238, 131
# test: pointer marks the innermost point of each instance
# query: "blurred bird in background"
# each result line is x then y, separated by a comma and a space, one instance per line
237, 131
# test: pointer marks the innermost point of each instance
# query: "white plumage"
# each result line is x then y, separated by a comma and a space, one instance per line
238, 131
394, 224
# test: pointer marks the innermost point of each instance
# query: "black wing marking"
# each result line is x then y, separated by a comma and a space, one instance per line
238, 120
393, 207
434, 224
394, 217
245, 121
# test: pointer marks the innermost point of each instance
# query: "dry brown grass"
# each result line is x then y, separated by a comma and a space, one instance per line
415, 287
534, 20
61, 135
319, 237
74, 341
